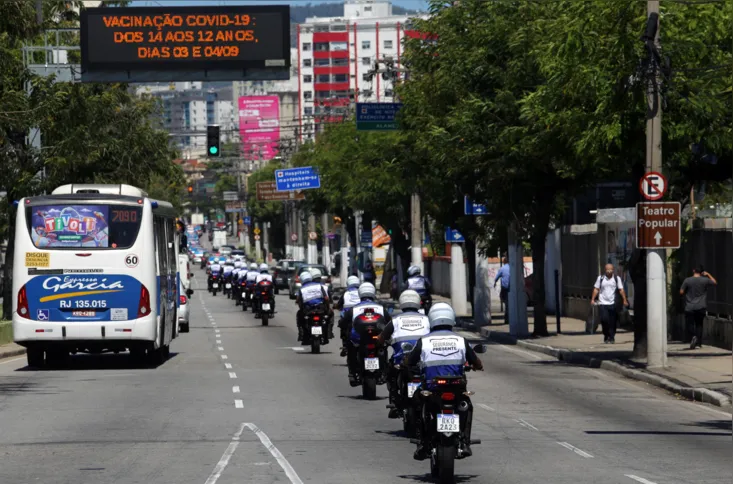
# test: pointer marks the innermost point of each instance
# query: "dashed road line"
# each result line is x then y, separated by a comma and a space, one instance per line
220, 348
232, 374
578, 451
235, 389
639, 479
224, 357
289, 471
526, 424
218, 341
238, 404
486, 407
228, 366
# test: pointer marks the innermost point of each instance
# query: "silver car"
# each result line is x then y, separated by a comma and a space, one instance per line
295, 280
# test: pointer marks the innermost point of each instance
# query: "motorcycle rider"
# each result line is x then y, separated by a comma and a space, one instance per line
349, 299
407, 327
368, 296
264, 275
441, 353
317, 276
251, 277
311, 294
227, 273
214, 269
240, 281
421, 285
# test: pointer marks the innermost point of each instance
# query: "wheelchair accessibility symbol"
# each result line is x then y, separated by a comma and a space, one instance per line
43, 315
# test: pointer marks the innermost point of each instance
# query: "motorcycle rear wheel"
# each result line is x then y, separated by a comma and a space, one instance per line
446, 455
315, 345
265, 319
408, 421
369, 388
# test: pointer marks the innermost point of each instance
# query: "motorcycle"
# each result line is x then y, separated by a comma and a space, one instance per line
447, 416
408, 381
263, 305
242, 294
372, 357
426, 301
316, 324
227, 281
214, 282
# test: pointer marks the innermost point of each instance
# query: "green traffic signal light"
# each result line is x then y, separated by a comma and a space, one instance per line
213, 150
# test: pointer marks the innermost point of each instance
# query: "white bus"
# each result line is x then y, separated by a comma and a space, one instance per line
95, 270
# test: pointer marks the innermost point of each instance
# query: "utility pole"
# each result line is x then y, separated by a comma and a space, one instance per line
416, 232
656, 299
326, 250
312, 247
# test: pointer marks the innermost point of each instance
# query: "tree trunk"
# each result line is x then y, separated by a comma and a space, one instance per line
471, 258
8, 270
538, 242
637, 271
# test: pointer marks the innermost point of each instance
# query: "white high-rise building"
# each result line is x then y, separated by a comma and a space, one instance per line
335, 55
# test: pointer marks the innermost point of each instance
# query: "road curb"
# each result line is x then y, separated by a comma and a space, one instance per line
10, 353
697, 394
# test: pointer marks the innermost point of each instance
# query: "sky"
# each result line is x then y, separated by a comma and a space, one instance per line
411, 4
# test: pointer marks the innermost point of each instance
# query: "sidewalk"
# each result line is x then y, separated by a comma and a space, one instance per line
702, 374
11, 349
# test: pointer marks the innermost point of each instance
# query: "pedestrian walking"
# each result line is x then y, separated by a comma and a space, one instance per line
606, 291
504, 275
695, 290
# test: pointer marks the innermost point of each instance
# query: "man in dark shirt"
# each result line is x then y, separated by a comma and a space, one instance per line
695, 290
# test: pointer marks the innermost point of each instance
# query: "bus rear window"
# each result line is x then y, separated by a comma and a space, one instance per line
89, 226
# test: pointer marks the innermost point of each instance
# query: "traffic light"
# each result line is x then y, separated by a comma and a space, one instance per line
190, 189
212, 141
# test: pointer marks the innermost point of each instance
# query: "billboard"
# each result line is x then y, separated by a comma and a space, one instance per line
206, 42
259, 126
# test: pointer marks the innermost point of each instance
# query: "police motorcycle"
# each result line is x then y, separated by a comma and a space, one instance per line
227, 279
248, 290
420, 284
215, 278
349, 297
240, 287
263, 298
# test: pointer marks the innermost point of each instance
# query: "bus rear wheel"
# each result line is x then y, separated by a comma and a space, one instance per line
35, 357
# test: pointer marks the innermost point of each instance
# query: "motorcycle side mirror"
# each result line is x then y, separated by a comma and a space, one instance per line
480, 348
189, 292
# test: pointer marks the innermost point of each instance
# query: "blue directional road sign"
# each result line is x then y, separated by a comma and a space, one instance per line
377, 116
472, 208
247, 220
303, 178
453, 236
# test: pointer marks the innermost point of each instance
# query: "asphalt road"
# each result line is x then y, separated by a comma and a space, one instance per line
238, 403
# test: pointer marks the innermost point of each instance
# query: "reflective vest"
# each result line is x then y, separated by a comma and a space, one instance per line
215, 268
408, 328
312, 293
351, 297
228, 270
263, 277
443, 354
417, 284
252, 276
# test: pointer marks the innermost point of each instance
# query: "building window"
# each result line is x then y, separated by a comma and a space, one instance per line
340, 61
308, 111
321, 28
366, 78
321, 46
340, 78
339, 46
338, 28
387, 44
307, 95
366, 61
368, 9
323, 62
323, 78
306, 46
307, 62
307, 78
365, 44
388, 93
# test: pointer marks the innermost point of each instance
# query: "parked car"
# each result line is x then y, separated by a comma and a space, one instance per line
295, 284
283, 272
185, 292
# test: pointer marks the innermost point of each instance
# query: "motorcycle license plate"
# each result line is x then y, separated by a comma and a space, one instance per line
317, 330
448, 423
228, 286
411, 387
265, 306
244, 296
215, 286
421, 311
371, 363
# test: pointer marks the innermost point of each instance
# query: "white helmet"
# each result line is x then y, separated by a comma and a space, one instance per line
409, 299
264, 268
253, 266
413, 271
352, 281
305, 277
441, 314
366, 290
238, 264
316, 274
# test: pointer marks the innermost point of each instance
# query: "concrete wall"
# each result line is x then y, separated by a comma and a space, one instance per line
716, 331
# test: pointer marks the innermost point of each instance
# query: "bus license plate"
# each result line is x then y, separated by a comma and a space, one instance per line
265, 307
411, 387
84, 314
448, 423
215, 286
371, 363
228, 286
317, 330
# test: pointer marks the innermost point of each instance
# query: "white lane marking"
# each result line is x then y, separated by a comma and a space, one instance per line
224, 357
218, 341
526, 424
220, 348
224, 461
232, 374
10, 361
228, 366
486, 407
289, 471
640, 479
238, 404
235, 389
581, 453
519, 352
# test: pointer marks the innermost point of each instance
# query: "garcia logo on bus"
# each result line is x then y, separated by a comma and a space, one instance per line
73, 286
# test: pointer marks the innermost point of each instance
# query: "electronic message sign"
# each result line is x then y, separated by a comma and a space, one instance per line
140, 44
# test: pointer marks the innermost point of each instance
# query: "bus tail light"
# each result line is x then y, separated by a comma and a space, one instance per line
143, 308
23, 309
